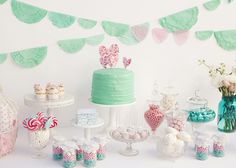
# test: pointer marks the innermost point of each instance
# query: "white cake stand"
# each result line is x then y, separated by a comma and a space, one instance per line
32, 101
112, 114
87, 127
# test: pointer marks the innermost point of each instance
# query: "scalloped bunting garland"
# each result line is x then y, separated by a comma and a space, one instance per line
159, 35
3, 58
226, 39
181, 21
72, 45
181, 37
212, 5
29, 58
27, 13
140, 31
203, 35
128, 38
87, 23
115, 29
61, 20
95, 40
2, 1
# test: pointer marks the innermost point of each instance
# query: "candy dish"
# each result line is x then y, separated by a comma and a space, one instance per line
129, 136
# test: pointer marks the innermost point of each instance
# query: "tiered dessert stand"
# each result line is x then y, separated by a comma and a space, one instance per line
112, 114
32, 101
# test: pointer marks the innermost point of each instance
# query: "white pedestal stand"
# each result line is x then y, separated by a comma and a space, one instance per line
32, 101
112, 114
87, 127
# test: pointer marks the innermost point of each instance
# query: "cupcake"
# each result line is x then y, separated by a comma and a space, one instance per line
52, 93
40, 92
61, 90
48, 87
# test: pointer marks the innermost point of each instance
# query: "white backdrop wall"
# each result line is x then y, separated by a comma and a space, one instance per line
167, 63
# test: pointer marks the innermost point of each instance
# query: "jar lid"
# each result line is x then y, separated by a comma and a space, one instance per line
155, 96
169, 90
197, 100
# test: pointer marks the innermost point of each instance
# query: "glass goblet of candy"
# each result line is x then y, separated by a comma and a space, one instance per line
154, 116
38, 140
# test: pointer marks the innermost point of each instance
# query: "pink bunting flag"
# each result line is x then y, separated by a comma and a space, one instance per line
181, 37
140, 31
159, 35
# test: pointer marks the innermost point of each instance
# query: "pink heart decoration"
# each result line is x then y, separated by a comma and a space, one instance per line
159, 35
109, 57
126, 62
140, 31
180, 37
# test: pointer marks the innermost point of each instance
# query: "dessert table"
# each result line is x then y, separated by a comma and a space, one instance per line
148, 156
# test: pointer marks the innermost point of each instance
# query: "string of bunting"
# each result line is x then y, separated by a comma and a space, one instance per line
29, 58
177, 24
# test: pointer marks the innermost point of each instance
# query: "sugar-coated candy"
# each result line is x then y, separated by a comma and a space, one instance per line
169, 139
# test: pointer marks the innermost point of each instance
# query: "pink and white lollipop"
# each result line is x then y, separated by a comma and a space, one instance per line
54, 122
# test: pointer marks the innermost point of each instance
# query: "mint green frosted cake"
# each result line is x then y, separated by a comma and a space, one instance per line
113, 86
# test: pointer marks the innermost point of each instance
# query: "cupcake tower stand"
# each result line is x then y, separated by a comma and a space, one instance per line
31, 101
112, 114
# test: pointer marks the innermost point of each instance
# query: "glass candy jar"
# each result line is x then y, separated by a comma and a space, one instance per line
169, 98
219, 141
198, 111
202, 146
90, 154
101, 152
69, 154
57, 147
154, 116
176, 118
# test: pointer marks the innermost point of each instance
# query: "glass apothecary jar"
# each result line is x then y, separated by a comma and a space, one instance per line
169, 95
198, 111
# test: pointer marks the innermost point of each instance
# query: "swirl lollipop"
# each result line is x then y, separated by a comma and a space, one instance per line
54, 122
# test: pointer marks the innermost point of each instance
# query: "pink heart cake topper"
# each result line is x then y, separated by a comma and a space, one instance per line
159, 35
109, 56
126, 62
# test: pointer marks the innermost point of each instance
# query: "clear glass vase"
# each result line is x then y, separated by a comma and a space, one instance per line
227, 114
39, 140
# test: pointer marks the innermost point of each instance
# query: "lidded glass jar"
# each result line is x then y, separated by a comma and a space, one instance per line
198, 110
176, 118
169, 98
154, 116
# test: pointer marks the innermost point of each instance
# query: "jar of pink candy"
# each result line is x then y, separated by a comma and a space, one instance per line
202, 148
79, 150
90, 154
101, 152
57, 147
69, 157
176, 118
219, 141
154, 116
